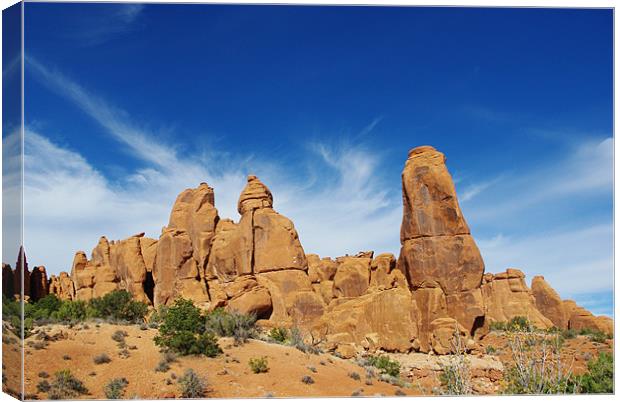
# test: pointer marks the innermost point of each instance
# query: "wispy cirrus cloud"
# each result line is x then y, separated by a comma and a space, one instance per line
98, 26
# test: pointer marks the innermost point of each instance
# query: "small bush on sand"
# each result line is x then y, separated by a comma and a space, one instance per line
307, 380
43, 374
191, 385
385, 365
354, 376
296, 339
162, 366
233, 324
119, 336
280, 335
102, 359
259, 365
183, 331
43, 386
66, 386
115, 389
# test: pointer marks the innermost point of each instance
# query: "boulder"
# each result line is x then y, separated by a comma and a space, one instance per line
579, 318
21, 275
255, 301
276, 243
194, 212
255, 195
352, 277
83, 276
549, 303
383, 273
321, 269
507, 296
175, 272
8, 281
39, 286
430, 205
452, 262
148, 247
447, 336
386, 320
431, 304
231, 250
294, 301
128, 262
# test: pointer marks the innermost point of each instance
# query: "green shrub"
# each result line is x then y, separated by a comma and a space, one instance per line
279, 334
516, 324
115, 388
183, 331
71, 311
45, 307
595, 335
118, 306
259, 365
66, 386
490, 350
568, 334
600, 375
385, 365
233, 324
192, 386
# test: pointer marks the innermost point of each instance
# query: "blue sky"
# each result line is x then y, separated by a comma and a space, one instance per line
127, 105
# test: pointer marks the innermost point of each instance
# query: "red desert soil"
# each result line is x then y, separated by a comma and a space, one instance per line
228, 375
11, 362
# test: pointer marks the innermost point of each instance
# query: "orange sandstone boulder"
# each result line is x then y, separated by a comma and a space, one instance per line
194, 212
386, 320
507, 296
175, 271
549, 303
39, 286
352, 277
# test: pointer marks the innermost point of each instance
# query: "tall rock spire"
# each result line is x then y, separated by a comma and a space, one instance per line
438, 255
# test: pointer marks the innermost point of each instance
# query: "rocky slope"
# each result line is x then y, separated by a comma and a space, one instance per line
258, 265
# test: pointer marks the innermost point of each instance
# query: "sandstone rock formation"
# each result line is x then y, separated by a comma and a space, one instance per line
39, 286
507, 296
8, 281
435, 290
437, 250
549, 303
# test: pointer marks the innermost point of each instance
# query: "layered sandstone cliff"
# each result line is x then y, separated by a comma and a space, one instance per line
257, 265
